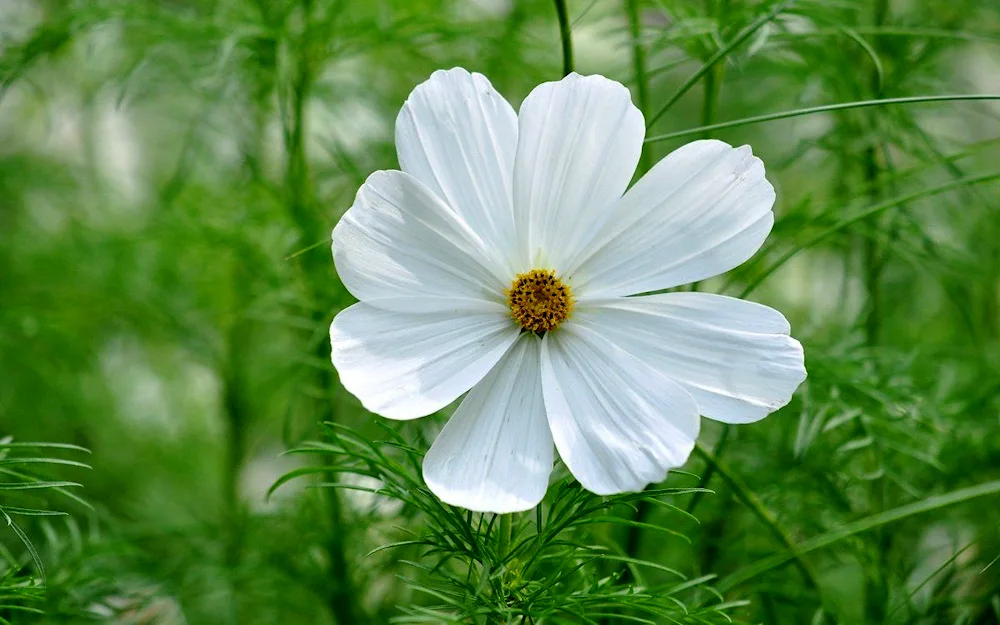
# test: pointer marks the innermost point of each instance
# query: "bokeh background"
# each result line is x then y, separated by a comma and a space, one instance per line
170, 171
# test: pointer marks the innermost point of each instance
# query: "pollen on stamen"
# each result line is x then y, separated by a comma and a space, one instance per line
539, 301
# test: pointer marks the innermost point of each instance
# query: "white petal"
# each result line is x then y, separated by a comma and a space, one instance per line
579, 143
618, 424
701, 211
408, 365
734, 357
495, 453
400, 240
457, 135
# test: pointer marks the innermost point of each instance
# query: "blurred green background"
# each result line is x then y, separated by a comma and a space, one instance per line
170, 171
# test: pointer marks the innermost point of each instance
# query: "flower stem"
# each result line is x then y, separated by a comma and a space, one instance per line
706, 477
236, 419
874, 260
342, 600
872, 170
713, 83
825, 108
959, 183
641, 79
503, 536
566, 36
713, 79
723, 52
933, 502
757, 507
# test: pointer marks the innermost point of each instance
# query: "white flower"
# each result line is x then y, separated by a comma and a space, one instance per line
505, 259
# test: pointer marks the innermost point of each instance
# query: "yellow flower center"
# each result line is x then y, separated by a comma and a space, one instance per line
539, 301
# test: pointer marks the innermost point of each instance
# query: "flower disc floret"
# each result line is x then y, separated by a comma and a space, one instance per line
539, 300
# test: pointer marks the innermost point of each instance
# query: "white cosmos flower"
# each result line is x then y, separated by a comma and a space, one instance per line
505, 260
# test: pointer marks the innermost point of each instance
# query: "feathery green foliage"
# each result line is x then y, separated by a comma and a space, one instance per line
24, 488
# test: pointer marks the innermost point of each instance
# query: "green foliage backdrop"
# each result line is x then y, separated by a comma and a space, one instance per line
170, 171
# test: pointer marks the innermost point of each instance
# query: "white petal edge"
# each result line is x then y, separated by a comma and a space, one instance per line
458, 136
579, 141
735, 357
407, 365
401, 240
495, 453
701, 211
618, 424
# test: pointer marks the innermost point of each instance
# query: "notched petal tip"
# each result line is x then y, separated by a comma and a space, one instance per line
443, 81
702, 210
457, 135
495, 453
799, 355
619, 425
476, 503
439, 75
579, 141
735, 357
593, 82
789, 374
457, 70
639, 484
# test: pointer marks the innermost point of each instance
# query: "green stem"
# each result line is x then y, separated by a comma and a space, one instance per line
756, 506
713, 80
641, 76
709, 102
861, 525
503, 536
566, 36
504, 530
297, 165
706, 477
342, 600
872, 170
236, 424
872, 263
722, 53
860, 216
713, 83
877, 598
825, 108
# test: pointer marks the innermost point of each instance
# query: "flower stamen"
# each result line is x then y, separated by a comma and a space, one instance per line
539, 301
